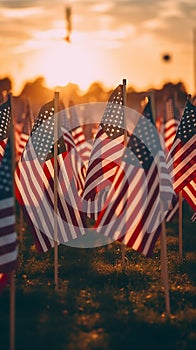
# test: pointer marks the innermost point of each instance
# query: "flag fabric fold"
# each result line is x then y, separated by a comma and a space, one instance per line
107, 151
35, 184
132, 212
182, 155
171, 122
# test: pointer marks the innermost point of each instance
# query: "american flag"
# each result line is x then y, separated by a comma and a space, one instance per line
171, 126
189, 191
83, 147
106, 153
35, 185
132, 212
8, 249
8, 237
182, 155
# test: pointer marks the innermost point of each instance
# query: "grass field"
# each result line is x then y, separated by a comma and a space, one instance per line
99, 306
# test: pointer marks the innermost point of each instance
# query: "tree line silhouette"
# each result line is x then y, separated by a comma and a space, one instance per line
37, 93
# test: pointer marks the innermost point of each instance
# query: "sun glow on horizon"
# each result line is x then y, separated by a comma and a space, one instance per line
60, 62
110, 40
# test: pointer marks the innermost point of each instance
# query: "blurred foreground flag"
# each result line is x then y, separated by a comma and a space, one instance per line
182, 155
8, 237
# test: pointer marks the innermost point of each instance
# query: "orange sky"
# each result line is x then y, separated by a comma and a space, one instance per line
110, 40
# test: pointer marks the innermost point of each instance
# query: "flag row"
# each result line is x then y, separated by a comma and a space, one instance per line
121, 186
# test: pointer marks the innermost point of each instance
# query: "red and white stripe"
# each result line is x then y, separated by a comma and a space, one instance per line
78, 166
8, 243
22, 143
132, 209
182, 162
35, 191
189, 193
83, 147
3, 144
105, 157
171, 127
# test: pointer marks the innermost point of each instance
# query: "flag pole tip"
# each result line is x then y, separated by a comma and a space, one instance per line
124, 81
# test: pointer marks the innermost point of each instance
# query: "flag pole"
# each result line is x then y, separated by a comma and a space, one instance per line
56, 106
164, 265
125, 145
12, 274
180, 223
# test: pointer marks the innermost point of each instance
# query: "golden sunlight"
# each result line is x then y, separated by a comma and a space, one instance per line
61, 62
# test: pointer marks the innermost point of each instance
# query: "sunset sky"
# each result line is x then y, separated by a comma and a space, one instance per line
110, 40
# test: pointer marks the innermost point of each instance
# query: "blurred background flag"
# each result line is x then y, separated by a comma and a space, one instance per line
5, 121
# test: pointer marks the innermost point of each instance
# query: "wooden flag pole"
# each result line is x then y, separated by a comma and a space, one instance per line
125, 145
164, 265
12, 274
164, 268
56, 107
180, 223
